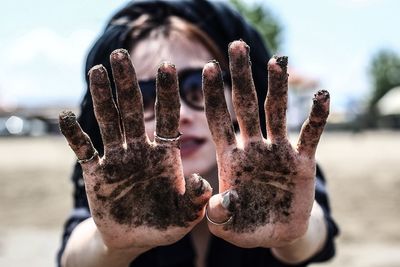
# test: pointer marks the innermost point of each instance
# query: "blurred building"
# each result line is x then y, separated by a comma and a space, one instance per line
389, 109
35, 121
301, 91
29, 121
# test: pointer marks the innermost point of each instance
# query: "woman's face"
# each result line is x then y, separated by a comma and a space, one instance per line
197, 147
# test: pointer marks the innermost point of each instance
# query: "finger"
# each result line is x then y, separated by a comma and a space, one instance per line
104, 107
79, 141
198, 190
243, 91
276, 101
167, 102
220, 207
314, 125
218, 117
129, 97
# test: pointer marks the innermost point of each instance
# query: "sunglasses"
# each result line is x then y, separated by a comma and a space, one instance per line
190, 90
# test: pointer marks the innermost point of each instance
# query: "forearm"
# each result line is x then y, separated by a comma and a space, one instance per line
85, 248
307, 245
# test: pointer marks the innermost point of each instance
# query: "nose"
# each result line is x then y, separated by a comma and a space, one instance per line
186, 115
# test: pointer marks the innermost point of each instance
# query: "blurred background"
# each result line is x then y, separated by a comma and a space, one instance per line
349, 47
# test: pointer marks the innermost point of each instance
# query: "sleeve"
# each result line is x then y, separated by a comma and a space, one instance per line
80, 211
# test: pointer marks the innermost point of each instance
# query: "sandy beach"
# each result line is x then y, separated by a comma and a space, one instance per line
363, 172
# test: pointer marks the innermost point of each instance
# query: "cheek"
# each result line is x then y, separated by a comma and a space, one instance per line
209, 148
229, 104
201, 120
150, 128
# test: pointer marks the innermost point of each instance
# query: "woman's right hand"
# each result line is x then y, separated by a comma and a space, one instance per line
137, 193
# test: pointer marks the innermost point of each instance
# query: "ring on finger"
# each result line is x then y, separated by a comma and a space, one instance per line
167, 139
217, 223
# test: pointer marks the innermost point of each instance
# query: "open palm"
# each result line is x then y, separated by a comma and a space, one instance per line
137, 193
267, 185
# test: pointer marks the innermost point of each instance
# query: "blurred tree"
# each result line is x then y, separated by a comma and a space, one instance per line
385, 74
266, 23
384, 71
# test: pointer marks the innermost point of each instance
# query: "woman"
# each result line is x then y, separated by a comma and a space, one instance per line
143, 194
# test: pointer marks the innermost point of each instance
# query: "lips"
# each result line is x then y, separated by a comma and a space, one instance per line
190, 145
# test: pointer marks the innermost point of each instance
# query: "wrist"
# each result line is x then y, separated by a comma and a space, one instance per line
307, 245
86, 248
123, 255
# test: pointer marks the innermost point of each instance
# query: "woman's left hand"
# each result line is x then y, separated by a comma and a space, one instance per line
266, 186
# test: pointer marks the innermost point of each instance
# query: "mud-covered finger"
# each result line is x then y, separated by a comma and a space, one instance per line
277, 97
78, 140
218, 117
314, 125
168, 102
129, 97
243, 92
198, 190
104, 107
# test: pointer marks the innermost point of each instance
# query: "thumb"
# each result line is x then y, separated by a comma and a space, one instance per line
198, 190
220, 208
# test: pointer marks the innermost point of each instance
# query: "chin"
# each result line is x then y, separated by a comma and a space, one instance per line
191, 166
201, 162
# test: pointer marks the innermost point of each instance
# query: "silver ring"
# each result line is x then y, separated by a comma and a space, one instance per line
95, 154
217, 223
166, 139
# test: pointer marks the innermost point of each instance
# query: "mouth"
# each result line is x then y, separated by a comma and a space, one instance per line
190, 145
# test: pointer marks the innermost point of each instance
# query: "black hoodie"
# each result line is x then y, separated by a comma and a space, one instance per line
223, 25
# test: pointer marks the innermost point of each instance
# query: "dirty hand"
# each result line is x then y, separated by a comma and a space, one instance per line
137, 193
266, 186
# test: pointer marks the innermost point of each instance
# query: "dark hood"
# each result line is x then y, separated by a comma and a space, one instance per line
217, 19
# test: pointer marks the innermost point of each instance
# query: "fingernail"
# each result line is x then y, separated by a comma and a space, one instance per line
225, 200
228, 197
68, 117
120, 51
282, 61
67, 122
200, 188
322, 94
201, 185
213, 61
98, 73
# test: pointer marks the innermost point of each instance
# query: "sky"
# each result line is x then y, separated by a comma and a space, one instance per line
43, 44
